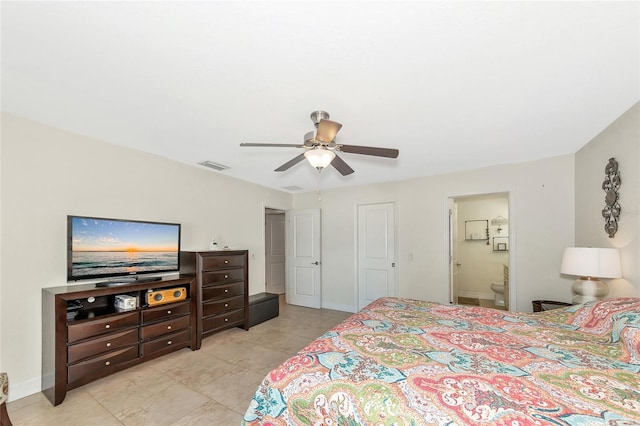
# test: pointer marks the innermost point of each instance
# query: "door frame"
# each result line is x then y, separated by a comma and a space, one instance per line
513, 247
267, 213
453, 252
264, 207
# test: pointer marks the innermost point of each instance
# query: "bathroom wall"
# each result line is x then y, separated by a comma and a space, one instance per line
480, 263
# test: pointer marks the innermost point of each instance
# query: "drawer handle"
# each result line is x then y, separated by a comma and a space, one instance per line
226, 290
108, 344
168, 327
226, 261
107, 363
169, 312
226, 305
226, 276
169, 342
107, 326
226, 319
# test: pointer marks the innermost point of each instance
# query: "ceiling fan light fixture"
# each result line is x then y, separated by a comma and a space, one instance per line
319, 157
320, 144
310, 138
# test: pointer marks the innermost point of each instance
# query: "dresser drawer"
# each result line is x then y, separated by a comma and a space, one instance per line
152, 331
223, 320
170, 340
222, 305
102, 365
219, 262
223, 276
164, 312
102, 325
106, 343
222, 291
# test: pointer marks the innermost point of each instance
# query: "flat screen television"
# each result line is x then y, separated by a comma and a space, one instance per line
120, 250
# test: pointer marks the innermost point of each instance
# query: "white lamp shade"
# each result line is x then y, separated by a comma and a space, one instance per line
591, 262
319, 158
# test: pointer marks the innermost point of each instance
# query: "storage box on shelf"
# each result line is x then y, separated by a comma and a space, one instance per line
223, 286
87, 334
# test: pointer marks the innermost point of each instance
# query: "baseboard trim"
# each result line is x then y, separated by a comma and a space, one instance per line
20, 390
473, 295
339, 307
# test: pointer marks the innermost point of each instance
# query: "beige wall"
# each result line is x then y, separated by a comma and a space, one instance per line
49, 173
480, 264
620, 140
541, 226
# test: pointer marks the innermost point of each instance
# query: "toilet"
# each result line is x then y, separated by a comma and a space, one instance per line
498, 289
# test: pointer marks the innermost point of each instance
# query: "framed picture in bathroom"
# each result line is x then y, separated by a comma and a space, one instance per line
500, 243
476, 230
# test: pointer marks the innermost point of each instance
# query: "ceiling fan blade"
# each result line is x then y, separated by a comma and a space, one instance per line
281, 145
339, 164
327, 130
370, 150
290, 163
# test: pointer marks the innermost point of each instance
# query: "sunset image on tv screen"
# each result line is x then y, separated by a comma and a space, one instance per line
105, 247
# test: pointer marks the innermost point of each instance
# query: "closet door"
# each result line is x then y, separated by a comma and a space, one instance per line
376, 252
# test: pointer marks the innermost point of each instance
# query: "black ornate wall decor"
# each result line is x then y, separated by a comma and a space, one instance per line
610, 185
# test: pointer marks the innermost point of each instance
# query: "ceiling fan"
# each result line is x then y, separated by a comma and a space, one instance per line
320, 147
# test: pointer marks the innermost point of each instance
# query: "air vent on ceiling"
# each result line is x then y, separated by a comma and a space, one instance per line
214, 166
292, 188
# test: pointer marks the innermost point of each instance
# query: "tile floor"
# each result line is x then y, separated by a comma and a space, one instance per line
484, 303
211, 386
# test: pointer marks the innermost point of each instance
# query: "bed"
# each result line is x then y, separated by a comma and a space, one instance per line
408, 362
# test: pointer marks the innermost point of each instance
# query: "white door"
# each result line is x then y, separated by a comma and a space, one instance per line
274, 253
303, 258
376, 252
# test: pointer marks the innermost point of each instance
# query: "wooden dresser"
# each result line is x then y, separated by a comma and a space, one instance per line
223, 288
97, 339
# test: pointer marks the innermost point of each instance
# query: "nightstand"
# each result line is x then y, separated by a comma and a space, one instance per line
547, 305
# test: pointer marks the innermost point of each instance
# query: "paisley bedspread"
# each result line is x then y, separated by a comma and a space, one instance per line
409, 362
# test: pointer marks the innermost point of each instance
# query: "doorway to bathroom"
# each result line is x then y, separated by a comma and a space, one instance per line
479, 241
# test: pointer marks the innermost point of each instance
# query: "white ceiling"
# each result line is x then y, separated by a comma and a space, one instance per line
452, 85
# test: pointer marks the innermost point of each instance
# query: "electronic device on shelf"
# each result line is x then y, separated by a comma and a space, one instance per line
125, 302
168, 295
73, 306
120, 250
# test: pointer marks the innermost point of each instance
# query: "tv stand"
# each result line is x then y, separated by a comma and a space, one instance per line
85, 337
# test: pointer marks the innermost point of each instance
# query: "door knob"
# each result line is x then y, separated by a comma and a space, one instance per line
458, 264
315, 263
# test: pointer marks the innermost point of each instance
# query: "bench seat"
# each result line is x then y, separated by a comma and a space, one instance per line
263, 307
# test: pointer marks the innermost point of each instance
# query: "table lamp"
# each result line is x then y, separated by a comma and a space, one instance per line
590, 264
